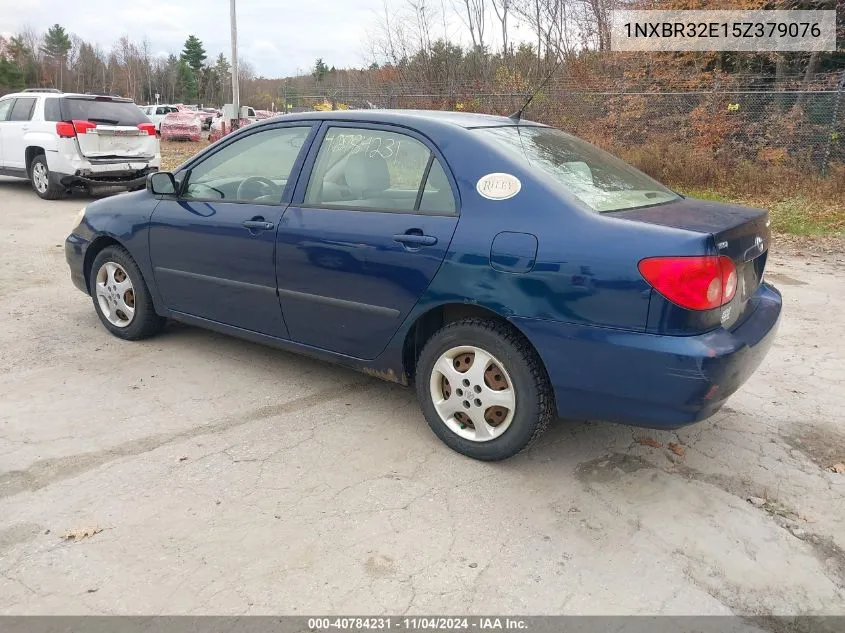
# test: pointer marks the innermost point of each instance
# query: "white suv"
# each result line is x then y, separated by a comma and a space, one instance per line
61, 141
156, 113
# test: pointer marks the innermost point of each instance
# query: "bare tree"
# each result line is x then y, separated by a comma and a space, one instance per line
473, 13
501, 9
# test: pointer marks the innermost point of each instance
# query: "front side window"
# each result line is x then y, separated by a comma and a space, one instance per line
22, 110
380, 170
598, 179
254, 168
5, 108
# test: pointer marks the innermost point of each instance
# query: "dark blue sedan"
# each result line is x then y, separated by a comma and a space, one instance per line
512, 272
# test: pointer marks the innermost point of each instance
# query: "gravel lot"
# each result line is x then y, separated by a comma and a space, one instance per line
229, 478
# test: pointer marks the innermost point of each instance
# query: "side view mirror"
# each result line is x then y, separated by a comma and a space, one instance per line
161, 183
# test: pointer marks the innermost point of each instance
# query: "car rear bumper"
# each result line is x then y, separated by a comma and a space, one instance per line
647, 379
117, 181
75, 248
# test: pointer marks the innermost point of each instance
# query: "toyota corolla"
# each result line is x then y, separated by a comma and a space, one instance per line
511, 272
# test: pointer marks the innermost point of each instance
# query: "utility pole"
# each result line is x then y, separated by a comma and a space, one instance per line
236, 97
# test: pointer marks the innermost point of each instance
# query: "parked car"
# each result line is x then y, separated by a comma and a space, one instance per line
207, 116
511, 272
156, 113
61, 141
181, 125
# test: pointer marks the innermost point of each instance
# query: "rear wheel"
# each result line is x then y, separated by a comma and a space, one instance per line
43, 185
121, 298
483, 389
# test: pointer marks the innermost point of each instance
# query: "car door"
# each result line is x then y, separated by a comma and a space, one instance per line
5, 108
366, 234
212, 246
13, 130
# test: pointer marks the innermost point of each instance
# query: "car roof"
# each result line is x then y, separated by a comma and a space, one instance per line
80, 95
411, 118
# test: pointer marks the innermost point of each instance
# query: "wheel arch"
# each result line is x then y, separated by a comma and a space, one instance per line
427, 323
95, 248
29, 155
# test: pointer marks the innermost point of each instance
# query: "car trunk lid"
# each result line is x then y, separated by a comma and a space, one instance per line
741, 233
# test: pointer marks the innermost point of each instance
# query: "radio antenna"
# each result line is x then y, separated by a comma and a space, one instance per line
516, 116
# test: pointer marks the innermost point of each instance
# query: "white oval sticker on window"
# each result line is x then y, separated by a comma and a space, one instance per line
498, 186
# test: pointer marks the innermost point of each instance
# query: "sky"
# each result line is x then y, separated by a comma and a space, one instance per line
278, 37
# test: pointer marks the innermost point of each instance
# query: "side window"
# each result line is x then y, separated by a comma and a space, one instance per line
254, 168
437, 196
5, 108
52, 111
161, 110
22, 110
373, 169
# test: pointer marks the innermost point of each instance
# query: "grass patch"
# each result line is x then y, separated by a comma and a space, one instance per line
799, 200
174, 153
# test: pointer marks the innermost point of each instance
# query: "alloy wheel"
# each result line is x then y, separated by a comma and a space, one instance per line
115, 294
39, 177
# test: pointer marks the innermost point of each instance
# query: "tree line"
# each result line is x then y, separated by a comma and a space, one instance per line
58, 59
450, 49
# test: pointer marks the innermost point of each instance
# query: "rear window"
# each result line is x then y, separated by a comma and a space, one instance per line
598, 179
102, 111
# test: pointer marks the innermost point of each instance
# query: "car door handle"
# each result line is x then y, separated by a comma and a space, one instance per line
259, 225
415, 239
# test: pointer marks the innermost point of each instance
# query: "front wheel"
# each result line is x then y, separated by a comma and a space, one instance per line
483, 389
121, 297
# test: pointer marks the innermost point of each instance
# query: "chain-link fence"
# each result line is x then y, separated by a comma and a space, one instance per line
800, 127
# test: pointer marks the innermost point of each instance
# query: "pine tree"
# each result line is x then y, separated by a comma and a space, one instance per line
11, 76
187, 83
194, 53
221, 72
55, 46
320, 70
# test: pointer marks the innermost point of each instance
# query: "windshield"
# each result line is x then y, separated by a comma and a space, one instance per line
598, 179
103, 111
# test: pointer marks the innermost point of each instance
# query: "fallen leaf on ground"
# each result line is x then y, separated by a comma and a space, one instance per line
677, 449
647, 441
77, 534
837, 468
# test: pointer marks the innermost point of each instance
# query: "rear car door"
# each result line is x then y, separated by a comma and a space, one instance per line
212, 247
366, 234
13, 129
5, 108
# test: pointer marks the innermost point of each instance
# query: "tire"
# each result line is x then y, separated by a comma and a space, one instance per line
42, 183
522, 389
112, 267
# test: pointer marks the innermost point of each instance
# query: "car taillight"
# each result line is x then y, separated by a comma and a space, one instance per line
65, 129
82, 127
695, 283
149, 128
